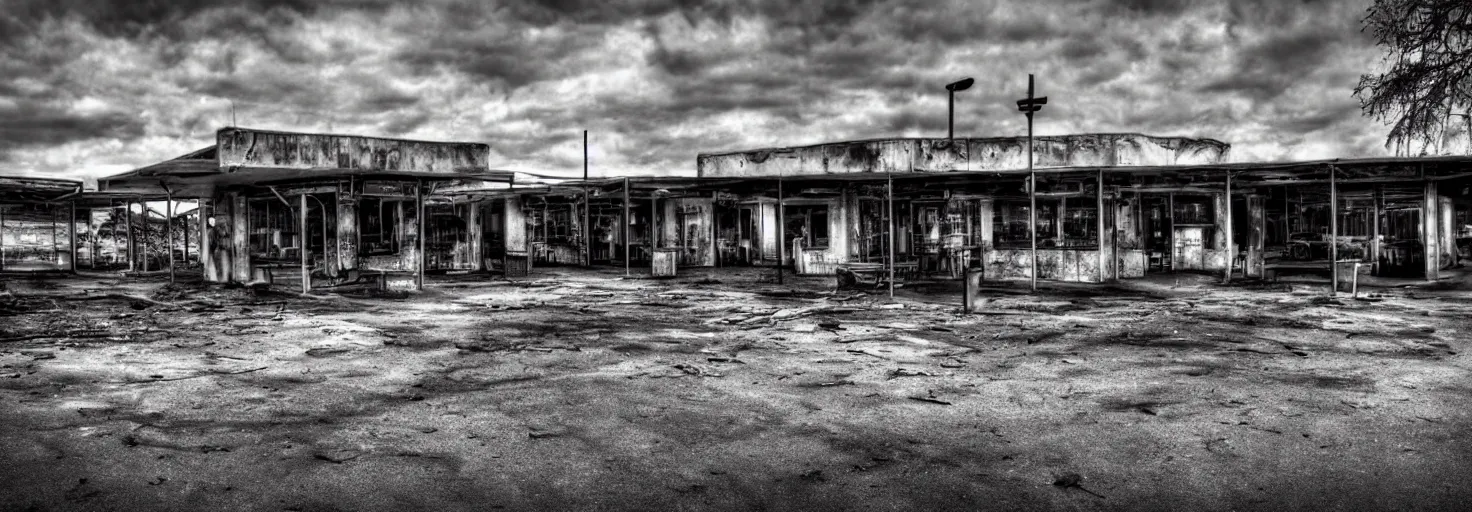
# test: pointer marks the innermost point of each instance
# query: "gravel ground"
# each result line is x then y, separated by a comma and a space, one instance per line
584, 390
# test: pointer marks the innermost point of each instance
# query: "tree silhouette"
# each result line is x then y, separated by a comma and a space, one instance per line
1426, 91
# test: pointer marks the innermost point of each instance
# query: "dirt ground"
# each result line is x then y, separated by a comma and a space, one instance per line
582, 390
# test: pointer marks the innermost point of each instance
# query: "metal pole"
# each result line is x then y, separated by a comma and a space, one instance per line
1333, 233
1099, 218
626, 221
132, 244
419, 200
302, 246
72, 230
951, 118
587, 207
1032, 194
1231, 250
169, 233
55, 254
889, 200
781, 231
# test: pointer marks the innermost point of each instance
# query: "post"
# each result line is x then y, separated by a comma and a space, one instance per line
301, 240
419, 202
2, 238
587, 208
625, 223
206, 267
1333, 233
951, 118
1099, 216
185, 233
889, 206
781, 231
169, 233
1170, 218
1032, 193
73, 231
1431, 232
132, 245
1231, 250
1376, 205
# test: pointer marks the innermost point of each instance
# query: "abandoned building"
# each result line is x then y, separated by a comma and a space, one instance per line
323, 210
1107, 206
315, 209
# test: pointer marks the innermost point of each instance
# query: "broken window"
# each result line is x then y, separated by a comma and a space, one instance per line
378, 225
1080, 219
1010, 224
809, 223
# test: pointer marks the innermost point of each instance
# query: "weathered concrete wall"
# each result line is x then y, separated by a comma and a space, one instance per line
514, 225
1072, 265
240, 147
347, 234
940, 155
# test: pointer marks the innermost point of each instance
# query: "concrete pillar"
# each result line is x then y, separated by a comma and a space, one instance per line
1377, 208
347, 234
986, 209
1256, 235
474, 237
515, 229
1430, 232
1448, 224
206, 261
240, 264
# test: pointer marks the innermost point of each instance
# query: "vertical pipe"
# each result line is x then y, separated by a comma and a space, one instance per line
169, 233
781, 231
1170, 218
626, 220
889, 201
1099, 216
55, 254
132, 244
185, 233
1231, 251
72, 231
1333, 233
587, 208
419, 201
302, 244
1376, 205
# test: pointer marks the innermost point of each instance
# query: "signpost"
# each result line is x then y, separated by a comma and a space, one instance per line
1028, 106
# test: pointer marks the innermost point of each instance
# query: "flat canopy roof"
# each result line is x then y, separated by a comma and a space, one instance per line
31, 189
246, 157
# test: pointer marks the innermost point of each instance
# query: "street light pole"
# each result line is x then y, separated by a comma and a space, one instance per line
951, 88
1028, 106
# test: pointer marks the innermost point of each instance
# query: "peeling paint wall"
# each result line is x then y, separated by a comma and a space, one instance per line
240, 147
941, 155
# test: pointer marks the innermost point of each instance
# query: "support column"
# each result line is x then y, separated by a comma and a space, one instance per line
132, 244
1099, 216
1231, 249
72, 232
781, 232
474, 238
1032, 212
1256, 236
1333, 232
206, 262
240, 264
1448, 243
626, 220
1377, 205
889, 227
1430, 232
301, 243
419, 234
169, 235
347, 234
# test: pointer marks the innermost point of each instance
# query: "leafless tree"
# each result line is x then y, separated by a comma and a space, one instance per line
1426, 84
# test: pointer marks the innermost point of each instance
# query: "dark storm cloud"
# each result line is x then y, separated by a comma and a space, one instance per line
657, 81
41, 126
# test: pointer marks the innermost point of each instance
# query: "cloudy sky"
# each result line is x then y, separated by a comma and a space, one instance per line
91, 88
